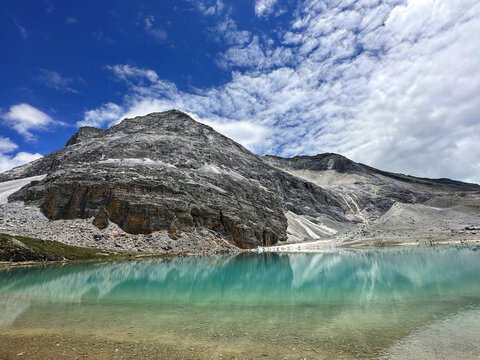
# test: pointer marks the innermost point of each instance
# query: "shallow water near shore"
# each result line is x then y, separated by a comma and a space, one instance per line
419, 303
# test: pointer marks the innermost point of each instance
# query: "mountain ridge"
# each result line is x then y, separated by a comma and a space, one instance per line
165, 172
362, 167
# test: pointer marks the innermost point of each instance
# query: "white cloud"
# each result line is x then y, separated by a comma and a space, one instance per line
422, 109
105, 114
8, 162
7, 145
71, 20
54, 80
247, 133
156, 32
264, 7
227, 31
394, 84
24, 118
127, 72
209, 7
250, 55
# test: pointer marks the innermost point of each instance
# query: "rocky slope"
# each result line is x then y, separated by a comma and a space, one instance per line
165, 182
167, 172
391, 206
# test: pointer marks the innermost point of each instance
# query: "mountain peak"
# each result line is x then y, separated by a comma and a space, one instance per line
319, 162
165, 172
171, 120
84, 133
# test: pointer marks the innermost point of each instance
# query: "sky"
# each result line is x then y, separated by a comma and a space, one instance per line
394, 84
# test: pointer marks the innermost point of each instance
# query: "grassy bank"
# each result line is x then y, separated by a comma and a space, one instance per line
20, 249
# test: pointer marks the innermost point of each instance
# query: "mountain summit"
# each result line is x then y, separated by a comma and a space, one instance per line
165, 172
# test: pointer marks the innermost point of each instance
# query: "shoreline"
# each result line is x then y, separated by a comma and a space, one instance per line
35, 252
318, 246
330, 245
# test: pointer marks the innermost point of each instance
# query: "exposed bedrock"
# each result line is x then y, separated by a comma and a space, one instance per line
166, 171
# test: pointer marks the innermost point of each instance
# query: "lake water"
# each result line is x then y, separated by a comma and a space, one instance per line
421, 303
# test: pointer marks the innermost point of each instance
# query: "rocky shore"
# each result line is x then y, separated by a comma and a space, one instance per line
29, 221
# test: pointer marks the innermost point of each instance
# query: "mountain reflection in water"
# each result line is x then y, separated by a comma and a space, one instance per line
379, 298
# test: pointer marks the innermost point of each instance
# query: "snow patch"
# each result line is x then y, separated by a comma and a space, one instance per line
209, 168
327, 178
213, 169
300, 228
135, 161
7, 188
356, 210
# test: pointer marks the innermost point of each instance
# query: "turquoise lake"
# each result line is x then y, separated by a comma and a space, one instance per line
400, 303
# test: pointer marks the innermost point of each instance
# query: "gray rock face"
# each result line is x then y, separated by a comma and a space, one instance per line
167, 171
368, 193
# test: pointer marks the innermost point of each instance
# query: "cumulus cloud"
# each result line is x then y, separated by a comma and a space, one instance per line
209, 7
244, 132
393, 84
154, 31
250, 55
6, 145
225, 29
128, 73
162, 95
264, 7
8, 162
105, 114
25, 118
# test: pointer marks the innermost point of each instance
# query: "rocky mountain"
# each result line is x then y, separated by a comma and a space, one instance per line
388, 204
166, 173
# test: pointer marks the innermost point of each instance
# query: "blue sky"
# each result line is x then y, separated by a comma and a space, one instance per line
394, 84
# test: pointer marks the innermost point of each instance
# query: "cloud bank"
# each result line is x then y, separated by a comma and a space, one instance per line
394, 84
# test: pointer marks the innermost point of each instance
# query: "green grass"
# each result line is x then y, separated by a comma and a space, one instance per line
56, 251
59, 250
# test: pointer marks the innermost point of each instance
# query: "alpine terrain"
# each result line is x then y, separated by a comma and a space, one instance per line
166, 183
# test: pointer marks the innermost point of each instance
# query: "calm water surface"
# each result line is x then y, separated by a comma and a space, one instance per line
421, 303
